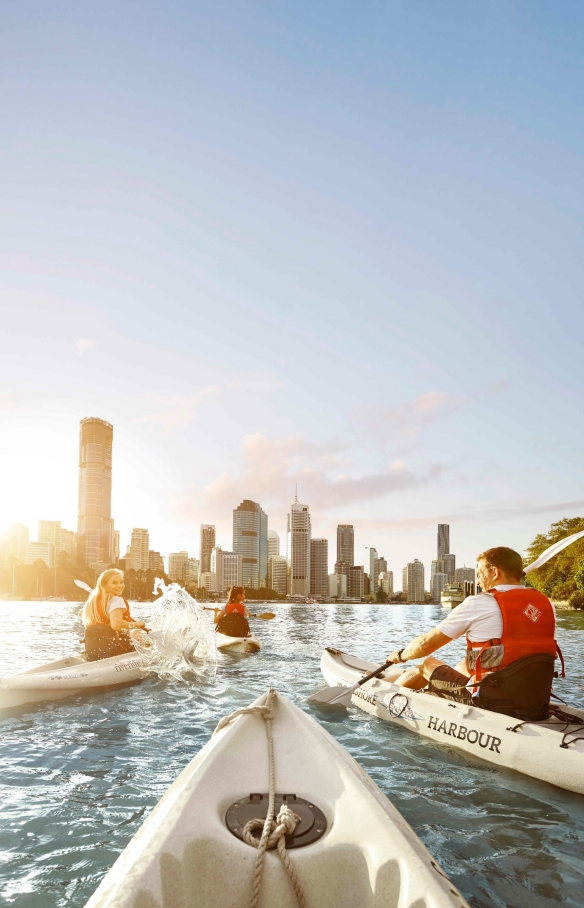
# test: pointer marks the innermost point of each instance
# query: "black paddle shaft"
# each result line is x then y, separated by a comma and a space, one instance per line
374, 674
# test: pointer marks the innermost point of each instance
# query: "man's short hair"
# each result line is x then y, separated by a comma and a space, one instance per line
505, 559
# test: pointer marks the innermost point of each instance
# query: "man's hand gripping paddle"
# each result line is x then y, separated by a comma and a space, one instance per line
341, 696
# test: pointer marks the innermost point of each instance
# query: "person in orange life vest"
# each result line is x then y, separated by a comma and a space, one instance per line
107, 619
502, 624
235, 603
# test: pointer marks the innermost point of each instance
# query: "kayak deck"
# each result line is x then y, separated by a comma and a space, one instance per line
551, 750
184, 854
227, 644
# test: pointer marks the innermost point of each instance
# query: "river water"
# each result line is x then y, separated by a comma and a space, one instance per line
80, 775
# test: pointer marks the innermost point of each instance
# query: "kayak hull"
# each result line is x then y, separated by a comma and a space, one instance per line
237, 644
534, 748
66, 677
184, 854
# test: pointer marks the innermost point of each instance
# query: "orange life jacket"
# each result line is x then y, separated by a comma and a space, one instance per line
104, 616
235, 607
528, 628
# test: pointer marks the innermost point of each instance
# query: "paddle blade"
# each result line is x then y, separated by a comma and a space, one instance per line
554, 549
341, 696
83, 585
266, 616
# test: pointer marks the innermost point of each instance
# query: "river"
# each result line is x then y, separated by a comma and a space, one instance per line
80, 775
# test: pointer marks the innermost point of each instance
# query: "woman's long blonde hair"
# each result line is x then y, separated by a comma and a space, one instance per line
92, 614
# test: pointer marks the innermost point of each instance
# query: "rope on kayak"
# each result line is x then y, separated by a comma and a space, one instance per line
274, 830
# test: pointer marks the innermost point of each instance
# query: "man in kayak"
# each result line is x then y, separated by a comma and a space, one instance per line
503, 624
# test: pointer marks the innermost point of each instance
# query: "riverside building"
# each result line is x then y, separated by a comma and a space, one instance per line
95, 525
345, 548
356, 582
250, 540
373, 570
226, 570
178, 563
273, 544
413, 581
139, 548
319, 584
299, 533
278, 574
206, 547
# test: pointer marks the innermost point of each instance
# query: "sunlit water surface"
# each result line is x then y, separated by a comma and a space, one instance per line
80, 775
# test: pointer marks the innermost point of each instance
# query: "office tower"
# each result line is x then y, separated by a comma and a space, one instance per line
15, 543
95, 525
356, 582
205, 580
49, 532
155, 562
345, 546
373, 570
413, 579
139, 548
193, 570
278, 574
177, 566
382, 564
250, 540
206, 547
41, 551
443, 539
273, 544
433, 569
447, 565
338, 586
62, 540
466, 575
386, 582
299, 532
116, 547
437, 584
405, 583
319, 585
226, 570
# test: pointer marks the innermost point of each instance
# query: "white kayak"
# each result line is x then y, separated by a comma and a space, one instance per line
226, 644
65, 677
552, 750
363, 854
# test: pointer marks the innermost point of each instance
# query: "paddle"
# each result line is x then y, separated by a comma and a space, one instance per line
265, 616
83, 585
554, 549
341, 696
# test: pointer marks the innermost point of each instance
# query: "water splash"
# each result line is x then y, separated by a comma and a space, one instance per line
181, 641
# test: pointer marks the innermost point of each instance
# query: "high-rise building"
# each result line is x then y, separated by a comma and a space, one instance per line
319, 585
41, 551
338, 586
193, 570
62, 540
250, 540
356, 582
155, 562
386, 582
226, 570
273, 543
15, 543
206, 547
139, 548
177, 566
413, 577
438, 582
443, 539
299, 533
373, 570
382, 564
345, 546
95, 525
447, 565
278, 574
466, 575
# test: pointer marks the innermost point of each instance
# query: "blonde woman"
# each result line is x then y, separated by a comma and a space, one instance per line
107, 619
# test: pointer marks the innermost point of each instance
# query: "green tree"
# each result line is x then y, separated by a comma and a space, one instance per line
381, 595
557, 578
579, 576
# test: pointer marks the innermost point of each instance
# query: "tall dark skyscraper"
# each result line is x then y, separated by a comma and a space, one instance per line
345, 548
319, 582
206, 547
95, 528
250, 540
443, 539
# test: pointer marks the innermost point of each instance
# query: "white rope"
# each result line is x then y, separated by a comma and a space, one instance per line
274, 830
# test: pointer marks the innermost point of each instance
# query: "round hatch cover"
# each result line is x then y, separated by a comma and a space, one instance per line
311, 827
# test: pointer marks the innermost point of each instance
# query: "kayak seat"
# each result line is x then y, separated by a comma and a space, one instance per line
233, 625
102, 642
521, 689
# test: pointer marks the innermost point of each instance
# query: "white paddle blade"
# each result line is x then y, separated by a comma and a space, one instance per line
332, 696
554, 549
83, 585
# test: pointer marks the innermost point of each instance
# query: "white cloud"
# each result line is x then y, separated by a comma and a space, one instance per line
176, 409
405, 423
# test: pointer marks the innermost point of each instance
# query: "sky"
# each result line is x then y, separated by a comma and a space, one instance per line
331, 245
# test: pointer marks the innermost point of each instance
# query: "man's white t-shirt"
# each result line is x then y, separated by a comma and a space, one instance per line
114, 603
478, 616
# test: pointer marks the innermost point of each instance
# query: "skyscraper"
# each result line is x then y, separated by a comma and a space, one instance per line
206, 547
226, 570
155, 562
178, 563
356, 582
447, 564
95, 526
139, 548
250, 540
319, 585
382, 564
299, 532
345, 548
273, 543
443, 539
373, 570
413, 581
62, 540
437, 584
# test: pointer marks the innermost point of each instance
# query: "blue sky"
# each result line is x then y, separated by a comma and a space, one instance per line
337, 244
